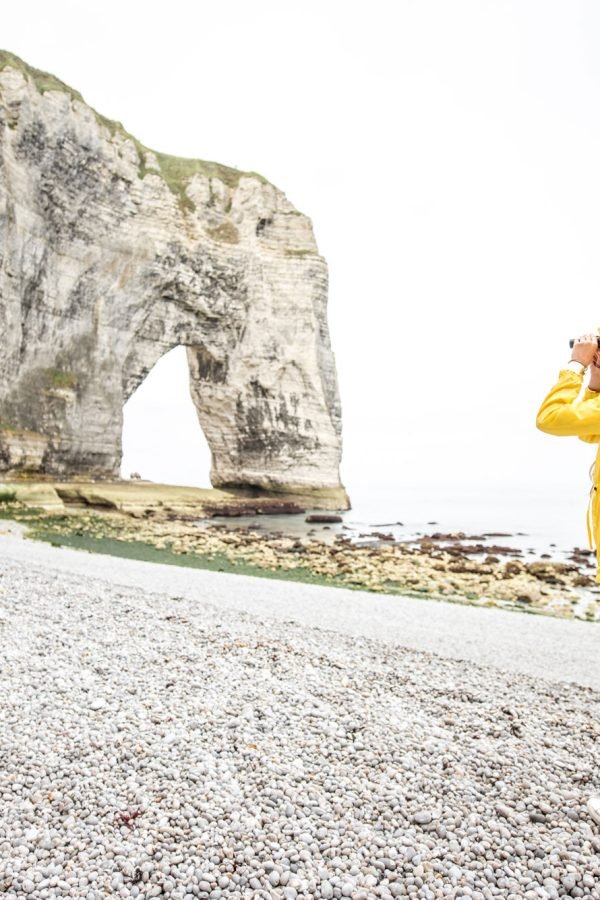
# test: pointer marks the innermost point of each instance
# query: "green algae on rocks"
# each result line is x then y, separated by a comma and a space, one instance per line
399, 570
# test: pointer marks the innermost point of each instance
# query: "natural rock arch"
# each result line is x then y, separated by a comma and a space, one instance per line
110, 255
162, 438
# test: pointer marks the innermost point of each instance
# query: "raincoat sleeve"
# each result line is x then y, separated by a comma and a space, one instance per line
590, 438
562, 414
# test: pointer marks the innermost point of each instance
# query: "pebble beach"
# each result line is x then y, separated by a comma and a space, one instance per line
158, 742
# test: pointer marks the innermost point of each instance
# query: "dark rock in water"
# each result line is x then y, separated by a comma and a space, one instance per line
391, 524
297, 547
323, 518
497, 534
229, 511
455, 550
582, 558
267, 508
455, 536
583, 581
477, 548
458, 548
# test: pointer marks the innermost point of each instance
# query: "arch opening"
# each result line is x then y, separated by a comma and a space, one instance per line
162, 438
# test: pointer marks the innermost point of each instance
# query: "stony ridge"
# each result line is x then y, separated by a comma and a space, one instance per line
112, 254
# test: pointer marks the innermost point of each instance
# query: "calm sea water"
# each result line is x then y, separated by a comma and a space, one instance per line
537, 520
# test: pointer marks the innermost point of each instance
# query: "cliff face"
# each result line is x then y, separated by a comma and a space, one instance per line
110, 255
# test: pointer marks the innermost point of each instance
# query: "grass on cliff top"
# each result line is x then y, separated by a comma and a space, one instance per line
175, 171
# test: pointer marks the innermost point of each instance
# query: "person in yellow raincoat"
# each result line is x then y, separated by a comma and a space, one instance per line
563, 412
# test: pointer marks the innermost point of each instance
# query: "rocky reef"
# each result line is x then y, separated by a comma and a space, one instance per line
112, 254
184, 528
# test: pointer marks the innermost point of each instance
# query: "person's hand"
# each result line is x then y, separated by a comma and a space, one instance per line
585, 348
594, 383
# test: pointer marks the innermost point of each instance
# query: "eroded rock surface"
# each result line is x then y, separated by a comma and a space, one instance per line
111, 255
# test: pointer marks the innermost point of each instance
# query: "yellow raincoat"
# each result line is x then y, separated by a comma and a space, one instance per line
561, 413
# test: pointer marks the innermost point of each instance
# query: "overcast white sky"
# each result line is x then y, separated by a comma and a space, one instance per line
448, 154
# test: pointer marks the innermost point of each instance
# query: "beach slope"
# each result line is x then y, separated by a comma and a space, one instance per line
198, 734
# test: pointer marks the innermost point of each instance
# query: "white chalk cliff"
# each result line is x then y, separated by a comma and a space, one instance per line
112, 254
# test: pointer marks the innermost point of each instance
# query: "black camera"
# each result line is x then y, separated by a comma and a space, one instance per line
572, 341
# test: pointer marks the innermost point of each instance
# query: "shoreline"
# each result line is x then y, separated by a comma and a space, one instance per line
453, 567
